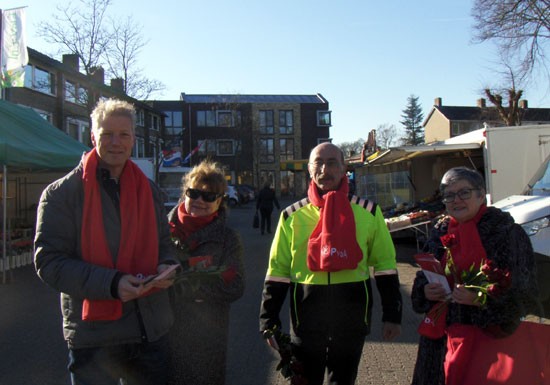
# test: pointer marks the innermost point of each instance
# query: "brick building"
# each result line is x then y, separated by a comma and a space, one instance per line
258, 138
65, 97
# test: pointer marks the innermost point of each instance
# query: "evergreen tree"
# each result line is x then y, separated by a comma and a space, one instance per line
412, 121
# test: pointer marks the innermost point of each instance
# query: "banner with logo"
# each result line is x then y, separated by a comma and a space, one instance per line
14, 48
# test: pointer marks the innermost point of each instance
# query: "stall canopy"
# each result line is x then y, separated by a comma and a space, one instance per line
27, 141
30, 143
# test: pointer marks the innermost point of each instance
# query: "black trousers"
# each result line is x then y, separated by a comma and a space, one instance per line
265, 222
339, 357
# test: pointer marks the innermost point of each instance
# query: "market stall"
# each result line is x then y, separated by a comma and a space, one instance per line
28, 145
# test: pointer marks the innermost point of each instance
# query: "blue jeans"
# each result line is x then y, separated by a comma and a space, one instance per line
137, 364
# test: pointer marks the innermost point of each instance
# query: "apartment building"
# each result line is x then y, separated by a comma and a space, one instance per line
258, 138
64, 96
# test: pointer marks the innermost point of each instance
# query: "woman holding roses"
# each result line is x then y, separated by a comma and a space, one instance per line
472, 240
212, 277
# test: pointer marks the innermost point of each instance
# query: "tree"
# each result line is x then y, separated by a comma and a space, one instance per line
385, 135
352, 148
520, 29
81, 28
122, 57
412, 121
511, 115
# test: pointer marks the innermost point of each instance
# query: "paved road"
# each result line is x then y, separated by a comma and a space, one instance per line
32, 350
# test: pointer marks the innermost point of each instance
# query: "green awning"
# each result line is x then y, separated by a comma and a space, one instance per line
27, 141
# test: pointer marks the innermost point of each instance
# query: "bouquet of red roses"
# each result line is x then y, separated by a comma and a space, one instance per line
486, 281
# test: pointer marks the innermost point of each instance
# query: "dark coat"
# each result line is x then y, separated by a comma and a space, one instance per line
59, 263
507, 244
266, 199
198, 339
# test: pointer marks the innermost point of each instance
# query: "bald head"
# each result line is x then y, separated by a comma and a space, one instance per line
326, 166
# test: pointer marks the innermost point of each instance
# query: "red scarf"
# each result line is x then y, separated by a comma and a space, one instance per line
138, 247
467, 249
333, 245
187, 224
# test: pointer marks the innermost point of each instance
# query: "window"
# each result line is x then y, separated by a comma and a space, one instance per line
79, 130
47, 116
285, 122
267, 154
206, 118
208, 148
225, 119
266, 121
286, 149
39, 80
140, 118
323, 118
139, 148
82, 97
225, 147
173, 123
70, 92
155, 125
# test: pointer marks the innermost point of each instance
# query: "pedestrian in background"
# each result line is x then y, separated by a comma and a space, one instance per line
212, 278
101, 231
331, 298
264, 203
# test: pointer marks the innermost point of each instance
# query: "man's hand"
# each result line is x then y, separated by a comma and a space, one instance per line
390, 331
129, 288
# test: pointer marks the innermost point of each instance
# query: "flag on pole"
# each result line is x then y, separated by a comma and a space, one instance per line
14, 47
188, 157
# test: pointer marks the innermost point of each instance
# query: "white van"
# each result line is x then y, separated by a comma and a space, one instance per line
532, 209
532, 212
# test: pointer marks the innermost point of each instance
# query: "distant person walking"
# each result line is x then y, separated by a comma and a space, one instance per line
265, 202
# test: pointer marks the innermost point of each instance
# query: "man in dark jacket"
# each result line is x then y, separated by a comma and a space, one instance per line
265, 202
100, 233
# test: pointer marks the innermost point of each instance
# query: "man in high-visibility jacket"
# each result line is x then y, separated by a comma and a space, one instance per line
322, 252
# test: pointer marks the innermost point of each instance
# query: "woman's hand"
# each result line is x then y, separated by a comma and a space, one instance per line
435, 292
464, 296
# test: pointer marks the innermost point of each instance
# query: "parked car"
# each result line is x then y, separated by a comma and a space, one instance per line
232, 196
246, 194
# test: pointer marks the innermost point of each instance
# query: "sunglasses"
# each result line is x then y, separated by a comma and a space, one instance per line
207, 196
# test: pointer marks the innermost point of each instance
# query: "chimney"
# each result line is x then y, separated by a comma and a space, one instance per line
71, 60
481, 103
118, 84
98, 74
438, 102
523, 104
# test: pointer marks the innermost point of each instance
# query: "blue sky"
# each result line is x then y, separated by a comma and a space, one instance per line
365, 57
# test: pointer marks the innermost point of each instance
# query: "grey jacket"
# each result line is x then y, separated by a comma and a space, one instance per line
58, 262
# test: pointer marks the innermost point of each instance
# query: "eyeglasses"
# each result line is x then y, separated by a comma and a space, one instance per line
462, 194
331, 163
207, 196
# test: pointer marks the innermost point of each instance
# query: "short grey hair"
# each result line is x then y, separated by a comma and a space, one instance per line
456, 174
112, 107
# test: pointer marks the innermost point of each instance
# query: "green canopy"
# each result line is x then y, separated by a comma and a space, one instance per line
27, 141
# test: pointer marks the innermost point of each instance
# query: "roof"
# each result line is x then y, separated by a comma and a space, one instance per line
28, 141
237, 98
470, 141
478, 114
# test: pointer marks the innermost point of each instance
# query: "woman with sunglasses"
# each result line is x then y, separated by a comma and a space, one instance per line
472, 235
212, 277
